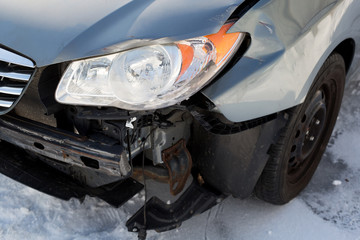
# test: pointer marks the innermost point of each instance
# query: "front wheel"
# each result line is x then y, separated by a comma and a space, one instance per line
295, 157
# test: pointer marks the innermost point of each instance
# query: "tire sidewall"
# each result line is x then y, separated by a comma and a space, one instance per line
332, 73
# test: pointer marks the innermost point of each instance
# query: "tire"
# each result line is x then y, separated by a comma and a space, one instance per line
295, 157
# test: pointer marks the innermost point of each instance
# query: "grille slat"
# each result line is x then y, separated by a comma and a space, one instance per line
11, 90
16, 76
15, 73
7, 56
5, 104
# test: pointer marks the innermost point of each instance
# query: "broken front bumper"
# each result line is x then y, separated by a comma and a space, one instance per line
161, 216
68, 148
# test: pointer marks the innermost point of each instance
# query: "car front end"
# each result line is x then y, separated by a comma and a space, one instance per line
176, 92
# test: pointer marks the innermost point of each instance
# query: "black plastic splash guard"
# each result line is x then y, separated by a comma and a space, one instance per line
163, 217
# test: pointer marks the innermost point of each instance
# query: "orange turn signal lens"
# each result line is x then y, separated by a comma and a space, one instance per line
224, 43
199, 53
187, 53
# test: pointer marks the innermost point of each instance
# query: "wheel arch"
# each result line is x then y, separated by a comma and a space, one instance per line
347, 50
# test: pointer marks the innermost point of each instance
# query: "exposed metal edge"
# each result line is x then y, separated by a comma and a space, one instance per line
67, 148
26, 169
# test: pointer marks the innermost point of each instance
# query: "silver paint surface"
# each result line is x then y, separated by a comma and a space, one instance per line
61, 30
291, 39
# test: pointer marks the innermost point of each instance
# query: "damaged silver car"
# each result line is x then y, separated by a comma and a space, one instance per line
213, 98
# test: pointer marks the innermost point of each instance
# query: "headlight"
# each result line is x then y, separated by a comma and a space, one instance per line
148, 77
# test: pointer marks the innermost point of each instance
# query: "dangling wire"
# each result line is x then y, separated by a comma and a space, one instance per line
142, 231
129, 149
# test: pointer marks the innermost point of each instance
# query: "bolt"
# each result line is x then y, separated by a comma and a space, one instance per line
312, 138
317, 122
307, 133
135, 229
286, 116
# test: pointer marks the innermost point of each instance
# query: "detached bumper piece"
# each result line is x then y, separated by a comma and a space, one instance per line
18, 165
163, 217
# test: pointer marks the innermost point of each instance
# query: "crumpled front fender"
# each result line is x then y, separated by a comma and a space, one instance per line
290, 42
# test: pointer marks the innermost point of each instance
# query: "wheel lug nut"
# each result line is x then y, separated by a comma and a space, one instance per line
317, 122
312, 138
307, 132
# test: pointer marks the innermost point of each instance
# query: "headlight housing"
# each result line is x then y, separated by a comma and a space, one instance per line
148, 77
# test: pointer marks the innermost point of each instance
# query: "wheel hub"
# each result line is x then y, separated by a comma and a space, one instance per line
309, 131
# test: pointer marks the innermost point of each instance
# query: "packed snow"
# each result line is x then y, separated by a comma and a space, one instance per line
328, 208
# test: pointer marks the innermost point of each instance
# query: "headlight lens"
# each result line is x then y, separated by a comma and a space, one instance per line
145, 73
148, 77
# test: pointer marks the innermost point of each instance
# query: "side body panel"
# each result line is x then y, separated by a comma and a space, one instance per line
291, 39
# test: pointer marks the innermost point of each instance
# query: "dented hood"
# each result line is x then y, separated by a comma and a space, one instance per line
61, 30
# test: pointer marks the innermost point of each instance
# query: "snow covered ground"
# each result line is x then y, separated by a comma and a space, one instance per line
328, 209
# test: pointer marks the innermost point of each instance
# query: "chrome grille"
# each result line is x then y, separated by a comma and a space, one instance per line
15, 73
